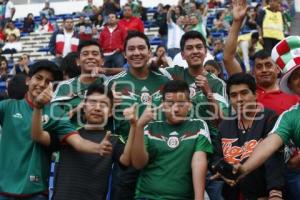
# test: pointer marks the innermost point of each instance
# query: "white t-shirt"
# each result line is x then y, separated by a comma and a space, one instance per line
175, 33
67, 46
8, 8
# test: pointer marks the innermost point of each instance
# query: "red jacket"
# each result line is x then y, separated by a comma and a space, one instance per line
134, 23
109, 42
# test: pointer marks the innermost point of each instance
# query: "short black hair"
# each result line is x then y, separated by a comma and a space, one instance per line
255, 35
17, 88
101, 89
46, 65
133, 34
261, 54
69, 65
191, 35
176, 86
85, 43
241, 78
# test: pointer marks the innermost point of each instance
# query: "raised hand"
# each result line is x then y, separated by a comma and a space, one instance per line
44, 97
202, 83
239, 9
131, 114
105, 147
148, 115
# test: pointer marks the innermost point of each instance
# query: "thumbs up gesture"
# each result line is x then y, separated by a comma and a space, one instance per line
148, 115
131, 113
105, 145
44, 97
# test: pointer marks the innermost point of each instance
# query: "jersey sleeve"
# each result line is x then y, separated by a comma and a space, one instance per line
203, 142
59, 123
284, 126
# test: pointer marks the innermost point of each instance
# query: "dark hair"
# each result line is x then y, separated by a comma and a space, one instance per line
255, 35
85, 43
17, 87
160, 46
241, 78
133, 34
176, 86
216, 65
261, 54
69, 65
46, 65
191, 35
3, 58
101, 89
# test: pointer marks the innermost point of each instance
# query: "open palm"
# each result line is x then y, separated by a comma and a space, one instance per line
239, 9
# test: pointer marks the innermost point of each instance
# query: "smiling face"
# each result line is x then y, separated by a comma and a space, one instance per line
90, 58
265, 72
194, 52
38, 83
137, 53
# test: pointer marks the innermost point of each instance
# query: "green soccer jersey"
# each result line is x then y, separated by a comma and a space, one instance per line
201, 109
69, 94
140, 91
24, 164
168, 174
288, 125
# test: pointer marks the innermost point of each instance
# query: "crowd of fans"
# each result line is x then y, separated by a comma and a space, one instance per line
190, 119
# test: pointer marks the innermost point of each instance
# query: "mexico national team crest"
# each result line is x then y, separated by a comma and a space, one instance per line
173, 142
45, 119
145, 96
192, 91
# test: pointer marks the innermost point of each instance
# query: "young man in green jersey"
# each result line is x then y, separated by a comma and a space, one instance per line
70, 93
24, 166
172, 153
82, 176
138, 85
287, 128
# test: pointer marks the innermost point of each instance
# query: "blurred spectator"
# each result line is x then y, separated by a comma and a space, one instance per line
22, 66
3, 68
194, 10
64, 41
16, 86
29, 24
47, 11
69, 66
251, 19
134, 7
12, 45
110, 6
88, 9
129, 22
175, 31
143, 11
112, 39
161, 58
97, 21
84, 28
160, 17
213, 67
9, 10
248, 45
197, 25
12, 29
213, 4
2, 36
219, 22
177, 12
218, 46
271, 23
45, 26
